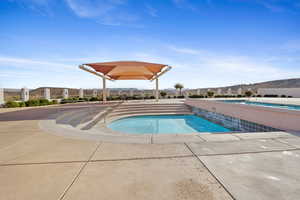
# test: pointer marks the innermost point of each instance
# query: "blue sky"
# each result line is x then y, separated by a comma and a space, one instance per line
208, 42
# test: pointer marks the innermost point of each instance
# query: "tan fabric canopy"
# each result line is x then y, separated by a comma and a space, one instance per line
128, 70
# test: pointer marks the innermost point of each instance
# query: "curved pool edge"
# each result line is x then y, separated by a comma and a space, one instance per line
49, 127
165, 124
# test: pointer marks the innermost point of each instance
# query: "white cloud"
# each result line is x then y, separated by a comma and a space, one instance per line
106, 12
151, 10
184, 50
185, 4
43, 7
33, 64
90, 8
277, 5
210, 69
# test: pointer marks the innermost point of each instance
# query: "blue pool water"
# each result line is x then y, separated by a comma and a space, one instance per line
282, 106
165, 124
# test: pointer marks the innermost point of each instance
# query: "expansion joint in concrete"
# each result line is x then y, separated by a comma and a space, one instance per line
79, 172
231, 195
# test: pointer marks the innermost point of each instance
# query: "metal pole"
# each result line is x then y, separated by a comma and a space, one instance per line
156, 91
104, 89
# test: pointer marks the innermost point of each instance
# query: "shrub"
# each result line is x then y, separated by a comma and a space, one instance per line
44, 102
54, 102
68, 101
210, 93
94, 99
196, 96
11, 104
34, 102
22, 104
271, 95
283, 96
163, 94
248, 93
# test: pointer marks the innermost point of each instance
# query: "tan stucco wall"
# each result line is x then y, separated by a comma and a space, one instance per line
276, 118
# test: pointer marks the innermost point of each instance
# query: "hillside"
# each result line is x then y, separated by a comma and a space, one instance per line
285, 83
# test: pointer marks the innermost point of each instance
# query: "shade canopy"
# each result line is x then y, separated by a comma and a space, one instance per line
128, 70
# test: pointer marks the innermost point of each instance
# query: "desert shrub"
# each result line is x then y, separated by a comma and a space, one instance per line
22, 104
210, 93
54, 102
163, 94
94, 99
44, 102
196, 96
283, 96
271, 95
248, 93
32, 102
11, 104
69, 100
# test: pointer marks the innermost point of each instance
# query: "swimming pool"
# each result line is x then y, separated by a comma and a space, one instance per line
165, 124
282, 106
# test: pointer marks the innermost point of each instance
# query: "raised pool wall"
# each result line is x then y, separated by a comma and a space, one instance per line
240, 114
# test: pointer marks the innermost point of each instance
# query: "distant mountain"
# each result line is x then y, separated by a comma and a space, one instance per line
285, 83
12, 93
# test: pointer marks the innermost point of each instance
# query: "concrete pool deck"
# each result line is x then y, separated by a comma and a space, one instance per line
37, 165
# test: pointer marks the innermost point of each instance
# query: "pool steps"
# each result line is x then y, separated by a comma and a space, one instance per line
87, 117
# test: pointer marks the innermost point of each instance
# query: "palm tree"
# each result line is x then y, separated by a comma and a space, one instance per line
178, 86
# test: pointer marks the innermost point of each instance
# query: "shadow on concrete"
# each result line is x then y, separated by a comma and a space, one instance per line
45, 113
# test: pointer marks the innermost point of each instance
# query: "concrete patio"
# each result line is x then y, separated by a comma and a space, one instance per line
35, 164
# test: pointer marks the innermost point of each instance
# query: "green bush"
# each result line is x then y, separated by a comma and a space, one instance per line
196, 96
94, 99
54, 102
11, 104
33, 102
67, 101
44, 102
271, 95
22, 104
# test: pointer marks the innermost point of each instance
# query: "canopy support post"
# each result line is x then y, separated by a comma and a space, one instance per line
156, 90
104, 90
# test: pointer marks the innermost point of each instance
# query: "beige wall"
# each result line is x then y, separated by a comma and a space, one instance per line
276, 118
294, 92
1, 96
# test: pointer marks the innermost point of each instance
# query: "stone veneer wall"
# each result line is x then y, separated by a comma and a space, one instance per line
231, 123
